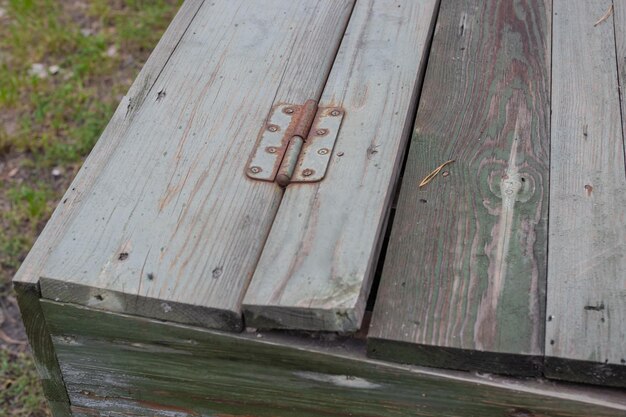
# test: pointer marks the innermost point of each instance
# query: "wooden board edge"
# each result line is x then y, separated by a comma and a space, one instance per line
342, 320
606, 374
46, 362
454, 358
119, 302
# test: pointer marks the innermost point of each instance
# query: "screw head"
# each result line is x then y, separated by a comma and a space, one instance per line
288, 110
273, 128
307, 172
339, 153
321, 132
270, 149
335, 113
322, 151
255, 170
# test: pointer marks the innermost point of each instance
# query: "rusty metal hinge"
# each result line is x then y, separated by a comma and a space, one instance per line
296, 143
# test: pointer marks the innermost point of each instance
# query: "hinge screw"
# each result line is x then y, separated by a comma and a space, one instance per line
270, 149
335, 113
288, 110
273, 128
323, 151
255, 170
307, 172
321, 132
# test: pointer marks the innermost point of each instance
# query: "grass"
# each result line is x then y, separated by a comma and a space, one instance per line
19, 396
64, 66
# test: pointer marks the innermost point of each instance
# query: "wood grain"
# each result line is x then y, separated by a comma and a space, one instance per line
150, 368
316, 268
586, 299
172, 228
464, 277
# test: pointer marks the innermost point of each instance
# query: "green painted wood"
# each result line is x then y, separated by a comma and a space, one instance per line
316, 268
60, 409
43, 351
586, 298
172, 228
463, 285
121, 365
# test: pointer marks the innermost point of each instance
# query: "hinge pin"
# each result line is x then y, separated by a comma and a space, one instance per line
288, 165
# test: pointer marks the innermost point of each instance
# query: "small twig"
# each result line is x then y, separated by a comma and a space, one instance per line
433, 174
606, 15
8, 339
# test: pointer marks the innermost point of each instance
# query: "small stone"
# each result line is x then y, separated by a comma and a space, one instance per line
112, 51
86, 32
250, 329
13, 172
54, 69
38, 70
57, 172
3, 12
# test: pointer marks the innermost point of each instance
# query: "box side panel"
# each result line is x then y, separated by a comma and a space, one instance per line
121, 365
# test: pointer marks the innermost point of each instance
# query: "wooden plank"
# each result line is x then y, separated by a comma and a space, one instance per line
172, 228
30, 271
150, 368
316, 268
464, 276
586, 299
43, 352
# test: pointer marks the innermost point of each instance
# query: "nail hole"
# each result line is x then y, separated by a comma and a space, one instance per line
423, 200
150, 276
217, 272
123, 256
98, 297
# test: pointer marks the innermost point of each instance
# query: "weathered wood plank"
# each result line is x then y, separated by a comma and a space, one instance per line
55, 229
172, 228
586, 299
464, 277
43, 351
123, 365
316, 268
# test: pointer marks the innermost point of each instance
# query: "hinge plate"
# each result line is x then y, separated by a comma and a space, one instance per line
272, 142
318, 147
283, 123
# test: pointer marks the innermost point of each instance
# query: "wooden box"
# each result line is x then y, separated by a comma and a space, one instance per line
219, 253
